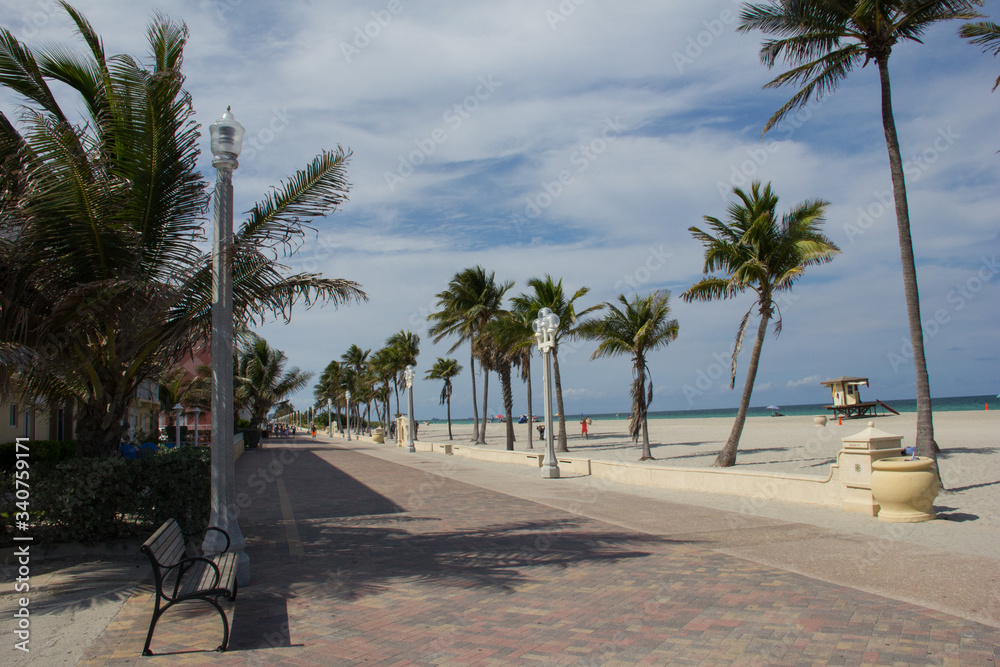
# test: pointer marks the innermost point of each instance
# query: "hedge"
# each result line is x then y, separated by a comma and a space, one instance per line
40, 453
97, 499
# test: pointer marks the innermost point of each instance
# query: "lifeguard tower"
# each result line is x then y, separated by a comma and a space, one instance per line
847, 401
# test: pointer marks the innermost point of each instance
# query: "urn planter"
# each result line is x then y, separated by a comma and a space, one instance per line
905, 488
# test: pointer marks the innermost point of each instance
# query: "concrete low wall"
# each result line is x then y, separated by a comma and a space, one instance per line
771, 486
533, 459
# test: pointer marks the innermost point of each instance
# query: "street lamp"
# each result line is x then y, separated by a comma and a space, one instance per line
408, 376
329, 415
178, 410
545, 328
227, 142
197, 417
348, 416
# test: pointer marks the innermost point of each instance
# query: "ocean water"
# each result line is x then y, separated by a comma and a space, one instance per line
950, 404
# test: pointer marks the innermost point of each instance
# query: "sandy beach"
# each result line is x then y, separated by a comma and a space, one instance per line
970, 462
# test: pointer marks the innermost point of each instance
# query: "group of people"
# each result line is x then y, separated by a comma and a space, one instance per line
279, 430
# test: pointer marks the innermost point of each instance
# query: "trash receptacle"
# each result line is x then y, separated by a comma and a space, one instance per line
378, 436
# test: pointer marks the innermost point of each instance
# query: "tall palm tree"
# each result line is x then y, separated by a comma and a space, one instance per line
825, 40
502, 348
356, 360
637, 328
755, 251
405, 347
261, 381
445, 369
986, 35
330, 386
108, 285
522, 312
471, 300
549, 294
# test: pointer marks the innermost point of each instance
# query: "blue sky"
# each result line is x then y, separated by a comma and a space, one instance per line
582, 138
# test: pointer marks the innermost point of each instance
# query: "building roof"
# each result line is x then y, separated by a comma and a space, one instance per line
846, 379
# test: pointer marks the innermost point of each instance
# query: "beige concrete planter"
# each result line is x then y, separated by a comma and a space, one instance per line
378, 436
905, 488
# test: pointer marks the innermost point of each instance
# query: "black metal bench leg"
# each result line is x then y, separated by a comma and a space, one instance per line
225, 624
157, 612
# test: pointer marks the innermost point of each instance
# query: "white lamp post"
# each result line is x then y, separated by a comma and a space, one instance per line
545, 330
227, 142
408, 376
329, 415
348, 416
197, 417
178, 410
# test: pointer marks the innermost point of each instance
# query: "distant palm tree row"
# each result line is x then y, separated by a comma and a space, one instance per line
368, 377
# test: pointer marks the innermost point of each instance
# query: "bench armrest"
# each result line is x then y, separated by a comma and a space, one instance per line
225, 534
186, 564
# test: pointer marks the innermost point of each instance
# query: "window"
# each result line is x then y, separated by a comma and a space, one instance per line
13, 414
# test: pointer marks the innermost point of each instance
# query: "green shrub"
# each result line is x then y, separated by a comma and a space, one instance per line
40, 453
96, 499
251, 437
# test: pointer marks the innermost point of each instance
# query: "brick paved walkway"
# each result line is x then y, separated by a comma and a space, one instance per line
384, 564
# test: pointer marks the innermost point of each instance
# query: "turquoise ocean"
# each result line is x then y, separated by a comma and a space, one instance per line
950, 404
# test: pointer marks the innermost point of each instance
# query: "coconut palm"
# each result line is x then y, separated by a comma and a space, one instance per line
356, 361
549, 294
986, 35
107, 285
261, 381
637, 328
522, 314
502, 347
330, 386
755, 251
825, 40
404, 347
471, 300
445, 369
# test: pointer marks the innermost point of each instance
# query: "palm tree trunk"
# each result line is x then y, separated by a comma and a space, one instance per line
449, 417
561, 447
727, 456
640, 371
508, 403
481, 440
475, 408
925, 444
531, 423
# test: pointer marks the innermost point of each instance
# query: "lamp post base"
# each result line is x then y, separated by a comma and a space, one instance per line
550, 471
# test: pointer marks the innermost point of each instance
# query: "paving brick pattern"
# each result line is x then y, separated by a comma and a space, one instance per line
402, 567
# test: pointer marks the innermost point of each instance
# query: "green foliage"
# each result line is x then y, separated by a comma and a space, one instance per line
251, 437
45, 453
94, 499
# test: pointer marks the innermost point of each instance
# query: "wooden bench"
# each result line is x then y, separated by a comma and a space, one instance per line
180, 578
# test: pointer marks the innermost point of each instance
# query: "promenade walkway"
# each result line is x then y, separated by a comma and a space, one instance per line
363, 554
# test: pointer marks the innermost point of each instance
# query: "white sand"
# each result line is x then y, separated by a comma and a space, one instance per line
970, 462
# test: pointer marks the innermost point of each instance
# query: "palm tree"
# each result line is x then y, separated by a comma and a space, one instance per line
471, 300
405, 347
823, 41
757, 252
356, 361
445, 369
986, 35
261, 381
550, 294
501, 348
636, 327
107, 285
330, 386
522, 313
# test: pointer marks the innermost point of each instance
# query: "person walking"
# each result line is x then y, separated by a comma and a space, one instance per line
312, 430
583, 428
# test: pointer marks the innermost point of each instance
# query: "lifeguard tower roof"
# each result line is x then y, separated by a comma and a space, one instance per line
845, 379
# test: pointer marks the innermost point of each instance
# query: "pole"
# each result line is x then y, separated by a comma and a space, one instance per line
410, 447
550, 466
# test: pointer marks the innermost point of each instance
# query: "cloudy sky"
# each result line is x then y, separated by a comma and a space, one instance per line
581, 138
